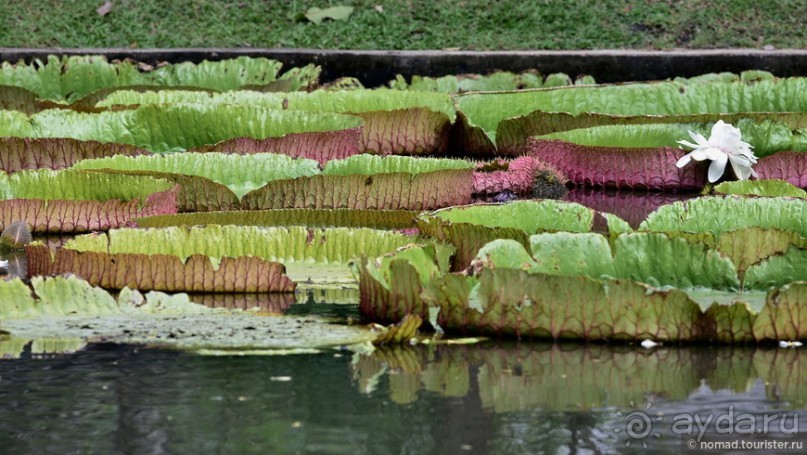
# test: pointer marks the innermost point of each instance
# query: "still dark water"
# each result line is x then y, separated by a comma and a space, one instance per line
486, 398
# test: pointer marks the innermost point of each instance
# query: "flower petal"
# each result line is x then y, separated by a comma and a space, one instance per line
725, 137
688, 144
718, 167
714, 154
697, 137
741, 169
684, 160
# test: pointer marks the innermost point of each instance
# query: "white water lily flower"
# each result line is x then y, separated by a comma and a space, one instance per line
723, 145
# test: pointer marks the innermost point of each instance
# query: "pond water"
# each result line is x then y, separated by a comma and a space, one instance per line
484, 398
489, 397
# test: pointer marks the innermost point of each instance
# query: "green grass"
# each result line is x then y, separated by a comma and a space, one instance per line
412, 24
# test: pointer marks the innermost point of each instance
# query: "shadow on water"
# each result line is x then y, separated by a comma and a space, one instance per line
484, 398
632, 207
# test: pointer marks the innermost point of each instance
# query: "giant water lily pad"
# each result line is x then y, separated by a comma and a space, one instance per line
525, 175
74, 201
620, 168
83, 314
482, 113
765, 136
722, 214
214, 258
72, 77
177, 127
513, 133
18, 154
508, 299
496, 81
770, 188
372, 182
240, 173
412, 123
376, 219
469, 228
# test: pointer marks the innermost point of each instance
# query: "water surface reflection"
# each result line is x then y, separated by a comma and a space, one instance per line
485, 398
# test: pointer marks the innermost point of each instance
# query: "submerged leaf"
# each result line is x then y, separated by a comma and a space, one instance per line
401, 332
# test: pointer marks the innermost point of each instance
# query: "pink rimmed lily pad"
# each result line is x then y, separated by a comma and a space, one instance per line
623, 168
517, 176
321, 146
55, 216
18, 154
788, 166
411, 131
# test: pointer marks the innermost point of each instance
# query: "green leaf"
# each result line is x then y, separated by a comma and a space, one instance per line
568, 254
516, 303
73, 77
469, 228
527, 216
768, 188
748, 246
507, 295
778, 270
505, 253
391, 284
656, 98
382, 191
78, 186
372, 165
721, 214
163, 128
394, 121
497, 81
336, 13
215, 258
240, 173
14, 123
661, 260
285, 244
765, 137
344, 102
376, 219
95, 316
